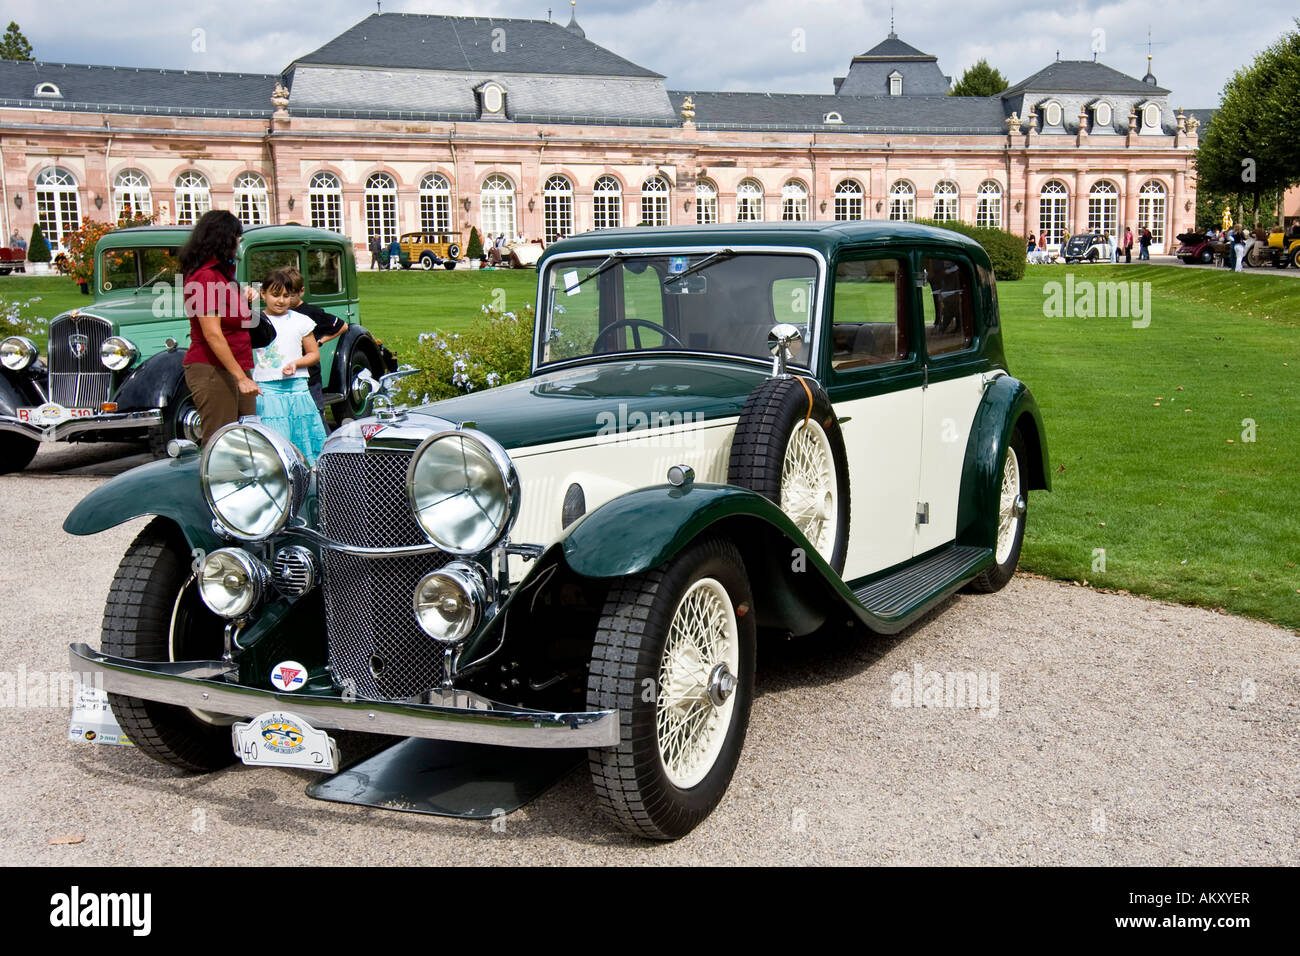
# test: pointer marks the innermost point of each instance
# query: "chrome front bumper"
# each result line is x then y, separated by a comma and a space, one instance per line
74, 426
199, 684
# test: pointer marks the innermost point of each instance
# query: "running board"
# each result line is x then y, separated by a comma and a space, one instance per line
899, 598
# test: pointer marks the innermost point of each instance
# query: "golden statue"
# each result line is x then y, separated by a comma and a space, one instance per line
1227, 217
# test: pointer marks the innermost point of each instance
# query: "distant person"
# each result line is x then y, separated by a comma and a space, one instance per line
18, 242
376, 250
1144, 240
394, 254
1030, 247
1229, 249
1128, 243
1239, 251
1042, 247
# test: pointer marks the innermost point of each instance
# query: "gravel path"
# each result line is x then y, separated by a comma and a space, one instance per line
1126, 732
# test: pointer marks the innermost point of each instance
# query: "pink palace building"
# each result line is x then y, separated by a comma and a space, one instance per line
408, 123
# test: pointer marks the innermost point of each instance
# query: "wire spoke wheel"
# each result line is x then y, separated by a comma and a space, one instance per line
1010, 509
696, 678
808, 486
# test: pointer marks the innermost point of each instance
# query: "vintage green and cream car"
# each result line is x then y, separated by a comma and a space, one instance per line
112, 371
730, 434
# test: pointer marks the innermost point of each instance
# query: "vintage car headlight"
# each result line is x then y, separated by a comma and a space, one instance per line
232, 582
17, 353
117, 353
463, 490
449, 602
253, 478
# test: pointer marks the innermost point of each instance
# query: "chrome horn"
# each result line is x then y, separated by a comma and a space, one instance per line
778, 343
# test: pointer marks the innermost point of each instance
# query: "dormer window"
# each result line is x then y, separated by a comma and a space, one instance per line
1150, 118
895, 84
48, 90
493, 99
1102, 116
832, 118
1052, 115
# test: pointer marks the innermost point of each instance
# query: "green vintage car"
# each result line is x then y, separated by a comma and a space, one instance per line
730, 434
112, 371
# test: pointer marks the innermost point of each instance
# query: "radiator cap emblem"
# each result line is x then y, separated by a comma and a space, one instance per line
79, 343
370, 431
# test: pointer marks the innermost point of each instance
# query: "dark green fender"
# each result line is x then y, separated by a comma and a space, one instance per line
1007, 406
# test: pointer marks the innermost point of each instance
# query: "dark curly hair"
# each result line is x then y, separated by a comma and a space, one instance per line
216, 234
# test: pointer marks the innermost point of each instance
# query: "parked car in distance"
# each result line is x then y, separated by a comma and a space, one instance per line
1196, 247
112, 371
428, 250
1088, 247
730, 434
12, 260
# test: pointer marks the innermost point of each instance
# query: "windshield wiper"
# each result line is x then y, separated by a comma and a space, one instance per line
149, 281
701, 265
614, 259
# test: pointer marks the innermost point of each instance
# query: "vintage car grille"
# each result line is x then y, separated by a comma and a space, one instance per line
375, 646
78, 382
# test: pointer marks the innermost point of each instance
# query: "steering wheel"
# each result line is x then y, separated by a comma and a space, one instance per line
636, 325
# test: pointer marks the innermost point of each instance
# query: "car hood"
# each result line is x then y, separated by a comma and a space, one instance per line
581, 402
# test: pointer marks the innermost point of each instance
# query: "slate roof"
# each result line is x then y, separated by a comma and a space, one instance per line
465, 45
124, 89
869, 72
805, 112
1081, 76
892, 48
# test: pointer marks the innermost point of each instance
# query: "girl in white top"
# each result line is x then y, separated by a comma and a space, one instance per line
280, 369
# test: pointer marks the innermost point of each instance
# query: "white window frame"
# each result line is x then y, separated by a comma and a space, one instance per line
1100, 121
749, 201
325, 201
849, 201
193, 197
607, 203
58, 204
706, 202
381, 207
497, 206
1054, 212
655, 200
988, 205
895, 84
435, 204
557, 208
794, 201
251, 202
1152, 210
902, 201
947, 201
131, 194
1148, 126
1103, 208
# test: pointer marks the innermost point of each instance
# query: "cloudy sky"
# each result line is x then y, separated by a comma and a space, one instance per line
794, 46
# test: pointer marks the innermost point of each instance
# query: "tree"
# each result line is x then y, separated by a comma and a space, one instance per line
14, 46
475, 248
38, 250
1248, 151
980, 80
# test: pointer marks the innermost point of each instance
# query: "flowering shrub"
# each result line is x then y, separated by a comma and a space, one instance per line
493, 351
79, 262
15, 319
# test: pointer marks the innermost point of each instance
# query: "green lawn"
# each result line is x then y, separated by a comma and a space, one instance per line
1149, 428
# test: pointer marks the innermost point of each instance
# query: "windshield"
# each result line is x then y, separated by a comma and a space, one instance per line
134, 267
719, 301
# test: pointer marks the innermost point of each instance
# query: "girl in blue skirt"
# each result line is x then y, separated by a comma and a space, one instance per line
280, 369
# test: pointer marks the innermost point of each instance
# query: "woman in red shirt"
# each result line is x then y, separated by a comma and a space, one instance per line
220, 353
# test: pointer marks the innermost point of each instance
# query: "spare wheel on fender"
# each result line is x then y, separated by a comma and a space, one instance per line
788, 447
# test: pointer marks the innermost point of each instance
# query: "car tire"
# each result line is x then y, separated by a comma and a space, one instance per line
680, 737
154, 613
180, 420
1294, 258
16, 452
363, 355
788, 447
427, 262
1012, 511
1093, 256
1206, 257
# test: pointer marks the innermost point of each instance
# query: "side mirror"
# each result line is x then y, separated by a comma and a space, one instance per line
778, 343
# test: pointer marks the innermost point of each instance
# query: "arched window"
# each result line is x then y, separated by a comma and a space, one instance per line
47, 89
251, 204
749, 201
794, 201
848, 200
654, 201
902, 201
1151, 119
607, 203
131, 196
1103, 207
497, 202
1151, 212
833, 118
706, 201
325, 199
1052, 115
557, 208
435, 204
1053, 208
1102, 115
58, 204
193, 197
945, 201
988, 206
381, 207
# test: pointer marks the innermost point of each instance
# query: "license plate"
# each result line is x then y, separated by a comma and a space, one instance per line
52, 413
279, 739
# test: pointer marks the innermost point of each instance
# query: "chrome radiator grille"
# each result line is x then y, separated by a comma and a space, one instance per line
375, 647
79, 382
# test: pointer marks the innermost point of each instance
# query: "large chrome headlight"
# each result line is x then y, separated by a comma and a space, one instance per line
117, 353
463, 490
232, 582
16, 353
449, 602
253, 478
